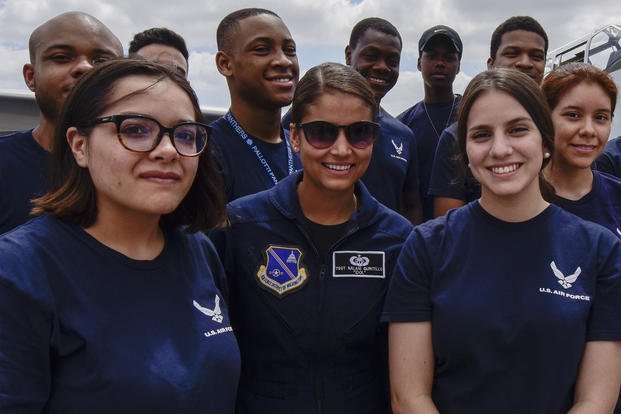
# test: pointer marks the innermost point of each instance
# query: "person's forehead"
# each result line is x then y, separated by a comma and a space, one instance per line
160, 53
378, 39
77, 33
260, 26
523, 39
166, 54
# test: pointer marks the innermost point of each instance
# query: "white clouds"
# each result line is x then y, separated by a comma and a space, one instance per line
11, 68
321, 30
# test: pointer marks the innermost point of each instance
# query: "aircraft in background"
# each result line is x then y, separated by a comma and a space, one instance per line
600, 48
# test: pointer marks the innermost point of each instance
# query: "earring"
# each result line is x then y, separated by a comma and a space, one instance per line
469, 165
546, 155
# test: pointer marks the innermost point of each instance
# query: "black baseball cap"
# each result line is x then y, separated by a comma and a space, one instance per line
440, 30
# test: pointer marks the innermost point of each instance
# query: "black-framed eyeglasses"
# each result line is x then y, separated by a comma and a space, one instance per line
142, 133
323, 134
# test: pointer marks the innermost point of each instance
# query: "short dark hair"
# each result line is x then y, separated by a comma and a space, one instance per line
523, 89
565, 77
373, 23
512, 24
326, 78
230, 23
72, 194
160, 36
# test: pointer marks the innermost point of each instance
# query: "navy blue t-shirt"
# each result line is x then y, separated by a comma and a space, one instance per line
610, 161
393, 169
85, 329
511, 305
445, 174
419, 121
242, 170
602, 205
23, 176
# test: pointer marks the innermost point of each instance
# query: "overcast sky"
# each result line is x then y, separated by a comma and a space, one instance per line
320, 28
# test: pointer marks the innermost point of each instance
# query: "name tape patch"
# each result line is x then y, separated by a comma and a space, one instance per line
351, 263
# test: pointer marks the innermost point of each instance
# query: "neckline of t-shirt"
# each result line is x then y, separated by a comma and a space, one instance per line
101, 249
588, 196
442, 105
534, 221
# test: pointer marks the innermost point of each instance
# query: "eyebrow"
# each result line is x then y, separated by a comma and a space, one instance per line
510, 122
70, 48
564, 108
530, 50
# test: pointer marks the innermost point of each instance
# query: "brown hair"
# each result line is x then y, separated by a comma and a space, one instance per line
523, 89
326, 78
565, 77
72, 194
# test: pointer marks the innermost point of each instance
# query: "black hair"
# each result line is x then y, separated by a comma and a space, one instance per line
373, 23
512, 24
230, 23
160, 36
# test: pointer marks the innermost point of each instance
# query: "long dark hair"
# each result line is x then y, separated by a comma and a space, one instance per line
524, 90
72, 194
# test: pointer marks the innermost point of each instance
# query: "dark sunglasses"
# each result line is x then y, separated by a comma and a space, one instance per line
323, 134
141, 133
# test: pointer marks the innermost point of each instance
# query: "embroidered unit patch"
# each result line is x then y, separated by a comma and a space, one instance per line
282, 273
359, 264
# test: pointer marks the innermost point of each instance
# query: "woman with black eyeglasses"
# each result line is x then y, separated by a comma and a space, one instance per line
308, 261
107, 299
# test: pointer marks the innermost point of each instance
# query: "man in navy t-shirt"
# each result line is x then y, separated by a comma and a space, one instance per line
519, 43
61, 50
374, 50
440, 49
257, 56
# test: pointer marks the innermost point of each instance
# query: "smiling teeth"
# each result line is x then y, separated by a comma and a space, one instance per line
282, 80
338, 167
377, 80
505, 170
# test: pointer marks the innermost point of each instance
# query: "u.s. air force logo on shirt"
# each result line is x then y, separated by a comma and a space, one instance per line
350, 263
567, 281
282, 274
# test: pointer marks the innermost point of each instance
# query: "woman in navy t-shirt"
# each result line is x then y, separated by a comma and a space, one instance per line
508, 304
582, 99
107, 299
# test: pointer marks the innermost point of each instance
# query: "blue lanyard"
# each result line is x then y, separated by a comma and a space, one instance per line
243, 135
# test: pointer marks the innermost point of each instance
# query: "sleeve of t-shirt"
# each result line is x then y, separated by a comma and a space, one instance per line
405, 117
412, 179
219, 237
609, 162
25, 334
408, 298
444, 180
604, 321
223, 168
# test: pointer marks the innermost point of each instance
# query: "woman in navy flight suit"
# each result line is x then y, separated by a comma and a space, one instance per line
308, 263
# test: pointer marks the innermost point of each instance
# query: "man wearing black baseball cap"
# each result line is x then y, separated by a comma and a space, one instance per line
440, 50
